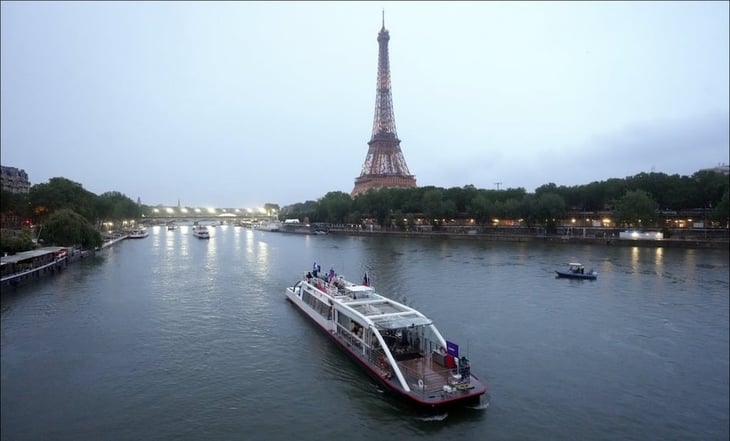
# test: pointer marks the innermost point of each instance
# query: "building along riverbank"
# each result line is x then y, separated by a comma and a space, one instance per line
717, 239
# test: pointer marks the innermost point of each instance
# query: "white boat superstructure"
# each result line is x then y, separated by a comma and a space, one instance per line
269, 225
201, 232
138, 233
398, 345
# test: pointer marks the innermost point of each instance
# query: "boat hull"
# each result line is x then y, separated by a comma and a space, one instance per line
390, 385
569, 275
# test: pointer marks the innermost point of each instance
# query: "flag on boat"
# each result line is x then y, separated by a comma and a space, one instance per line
452, 349
366, 280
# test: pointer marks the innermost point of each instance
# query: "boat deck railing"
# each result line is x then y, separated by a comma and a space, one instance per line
426, 377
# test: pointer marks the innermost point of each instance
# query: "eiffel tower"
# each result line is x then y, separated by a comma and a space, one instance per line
385, 165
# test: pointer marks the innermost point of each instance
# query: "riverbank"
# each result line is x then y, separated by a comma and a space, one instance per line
111, 240
29, 265
715, 243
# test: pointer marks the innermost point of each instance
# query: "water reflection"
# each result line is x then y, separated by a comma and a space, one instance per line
635, 254
212, 243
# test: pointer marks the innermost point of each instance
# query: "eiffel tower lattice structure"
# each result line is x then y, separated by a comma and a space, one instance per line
385, 166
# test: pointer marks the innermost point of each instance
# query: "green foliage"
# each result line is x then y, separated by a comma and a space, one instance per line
65, 227
481, 208
632, 198
12, 242
300, 211
636, 208
335, 207
272, 208
721, 213
115, 206
550, 208
433, 203
62, 193
14, 204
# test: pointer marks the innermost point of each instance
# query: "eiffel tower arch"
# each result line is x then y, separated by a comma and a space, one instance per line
385, 166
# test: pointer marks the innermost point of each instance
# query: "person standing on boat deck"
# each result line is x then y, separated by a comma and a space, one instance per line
331, 275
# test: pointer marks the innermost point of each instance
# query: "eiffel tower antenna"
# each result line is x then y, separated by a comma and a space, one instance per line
385, 166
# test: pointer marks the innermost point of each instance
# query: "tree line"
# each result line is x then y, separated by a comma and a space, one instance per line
643, 197
66, 215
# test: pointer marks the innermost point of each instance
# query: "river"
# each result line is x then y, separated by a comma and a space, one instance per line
177, 338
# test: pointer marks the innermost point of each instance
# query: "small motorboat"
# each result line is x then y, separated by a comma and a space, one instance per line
577, 271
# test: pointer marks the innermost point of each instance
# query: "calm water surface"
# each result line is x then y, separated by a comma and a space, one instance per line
176, 338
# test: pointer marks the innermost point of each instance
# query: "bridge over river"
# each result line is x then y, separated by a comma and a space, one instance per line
193, 214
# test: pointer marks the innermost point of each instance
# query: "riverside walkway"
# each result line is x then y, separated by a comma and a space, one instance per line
720, 239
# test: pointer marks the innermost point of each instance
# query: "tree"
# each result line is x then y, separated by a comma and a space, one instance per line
550, 208
14, 204
62, 193
335, 206
65, 227
711, 186
115, 206
11, 242
433, 204
481, 208
636, 208
721, 213
272, 208
14, 209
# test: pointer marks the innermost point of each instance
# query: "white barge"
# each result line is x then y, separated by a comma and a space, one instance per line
397, 345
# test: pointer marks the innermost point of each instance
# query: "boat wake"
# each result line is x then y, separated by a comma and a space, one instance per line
439, 417
482, 406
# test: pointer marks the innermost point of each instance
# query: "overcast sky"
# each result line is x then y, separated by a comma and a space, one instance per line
239, 104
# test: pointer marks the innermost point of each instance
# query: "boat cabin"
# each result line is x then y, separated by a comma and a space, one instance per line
576, 268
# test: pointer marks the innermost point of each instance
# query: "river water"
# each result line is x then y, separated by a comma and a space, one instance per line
176, 338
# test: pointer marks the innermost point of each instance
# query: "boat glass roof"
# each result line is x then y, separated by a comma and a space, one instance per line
388, 315
400, 321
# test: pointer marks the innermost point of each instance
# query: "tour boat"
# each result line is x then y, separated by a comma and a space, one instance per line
139, 233
397, 345
201, 232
